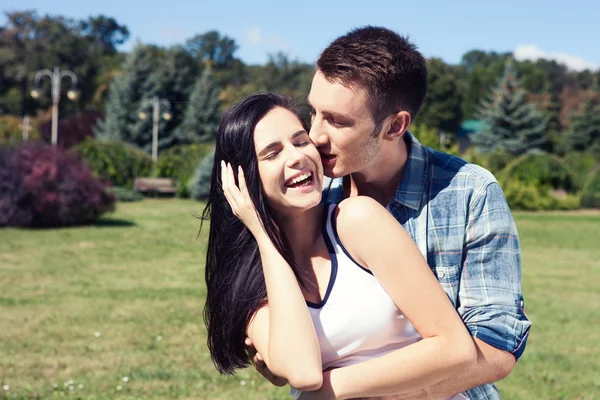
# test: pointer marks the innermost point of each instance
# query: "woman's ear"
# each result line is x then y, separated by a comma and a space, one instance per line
399, 125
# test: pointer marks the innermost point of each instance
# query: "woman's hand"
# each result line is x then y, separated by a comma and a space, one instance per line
239, 199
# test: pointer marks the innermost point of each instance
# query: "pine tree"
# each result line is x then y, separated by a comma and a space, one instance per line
124, 93
515, 126
585, 129
202, 115
148, 71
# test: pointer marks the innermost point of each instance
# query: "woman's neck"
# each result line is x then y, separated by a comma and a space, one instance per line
303, 229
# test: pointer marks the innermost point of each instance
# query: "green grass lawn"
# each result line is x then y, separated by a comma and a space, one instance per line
115, 310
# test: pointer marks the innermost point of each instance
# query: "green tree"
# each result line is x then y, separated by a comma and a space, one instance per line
515, 126
202, 115
149, 71
29, 43
585, 129
442, 108
483, 71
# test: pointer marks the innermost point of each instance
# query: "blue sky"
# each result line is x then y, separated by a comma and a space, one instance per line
564, 30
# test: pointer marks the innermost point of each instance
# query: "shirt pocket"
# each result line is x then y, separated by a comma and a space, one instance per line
448, 277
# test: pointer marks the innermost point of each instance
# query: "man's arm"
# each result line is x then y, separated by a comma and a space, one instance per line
490, 300
492, 365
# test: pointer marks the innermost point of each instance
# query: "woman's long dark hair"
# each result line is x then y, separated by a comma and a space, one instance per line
234, 276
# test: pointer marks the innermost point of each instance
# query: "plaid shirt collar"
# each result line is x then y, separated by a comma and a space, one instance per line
410, 191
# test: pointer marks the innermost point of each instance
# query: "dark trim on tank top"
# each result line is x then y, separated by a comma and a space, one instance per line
339, 242
333, 258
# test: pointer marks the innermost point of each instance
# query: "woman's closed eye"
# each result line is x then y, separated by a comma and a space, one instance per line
272, 155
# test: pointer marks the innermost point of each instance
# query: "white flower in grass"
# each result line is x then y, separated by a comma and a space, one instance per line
5, 387
159, 338
81, 386
71, 387
97, 334
119, 388
55, 385
125, 379
243, 383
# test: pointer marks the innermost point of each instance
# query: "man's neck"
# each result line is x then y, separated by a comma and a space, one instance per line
380, 180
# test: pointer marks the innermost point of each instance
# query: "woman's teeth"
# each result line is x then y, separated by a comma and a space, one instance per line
299, 179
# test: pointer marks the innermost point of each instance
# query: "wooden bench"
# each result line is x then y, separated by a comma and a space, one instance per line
155, 185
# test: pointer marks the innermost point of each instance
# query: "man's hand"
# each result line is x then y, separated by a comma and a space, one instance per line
261, 366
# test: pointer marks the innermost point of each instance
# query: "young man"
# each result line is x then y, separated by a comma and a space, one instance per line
369, 86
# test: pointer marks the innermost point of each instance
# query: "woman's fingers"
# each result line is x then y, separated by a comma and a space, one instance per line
242, 183
226, 184
234, 191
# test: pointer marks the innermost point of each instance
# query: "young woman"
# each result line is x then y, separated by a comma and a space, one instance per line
316, 287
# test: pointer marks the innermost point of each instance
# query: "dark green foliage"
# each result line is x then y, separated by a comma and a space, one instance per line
442, 108
543, 170
590, 196
582, 165
30, 42
148, 72
514, 126
125, 194
199, 184
585, 129
202, 115
115, 161
179, 163
49, 187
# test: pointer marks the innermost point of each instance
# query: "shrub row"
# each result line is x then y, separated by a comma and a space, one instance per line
540, 181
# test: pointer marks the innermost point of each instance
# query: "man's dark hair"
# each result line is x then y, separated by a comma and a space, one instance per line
388, 66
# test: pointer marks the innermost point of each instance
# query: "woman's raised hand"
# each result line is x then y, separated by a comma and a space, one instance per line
239, 199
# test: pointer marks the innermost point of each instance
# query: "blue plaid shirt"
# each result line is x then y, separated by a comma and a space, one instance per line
459, 218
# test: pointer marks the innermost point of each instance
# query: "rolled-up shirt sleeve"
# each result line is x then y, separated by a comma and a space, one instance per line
491, 300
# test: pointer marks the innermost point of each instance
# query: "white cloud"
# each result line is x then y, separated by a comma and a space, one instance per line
532, 52
271, 43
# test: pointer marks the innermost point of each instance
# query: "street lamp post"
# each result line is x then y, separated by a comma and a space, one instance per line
156, 103
55, 76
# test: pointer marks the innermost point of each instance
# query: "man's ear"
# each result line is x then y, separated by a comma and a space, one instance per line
399, 125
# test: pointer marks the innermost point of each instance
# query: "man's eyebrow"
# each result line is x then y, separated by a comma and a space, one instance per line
327, 112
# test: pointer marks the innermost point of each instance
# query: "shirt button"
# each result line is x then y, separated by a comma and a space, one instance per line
442, 274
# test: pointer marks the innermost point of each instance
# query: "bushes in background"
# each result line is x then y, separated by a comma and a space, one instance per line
179, 163
581, 165
44, 186
115, 161
199, 184
125, 194
590, 195
11, 131
539, 181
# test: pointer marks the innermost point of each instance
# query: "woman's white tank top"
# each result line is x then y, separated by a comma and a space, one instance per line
356, 320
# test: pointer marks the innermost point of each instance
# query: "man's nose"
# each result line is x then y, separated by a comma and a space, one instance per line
317, 134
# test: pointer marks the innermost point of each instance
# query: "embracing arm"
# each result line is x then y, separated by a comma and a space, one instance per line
492, 365
282, 331
446, 345
490, 296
